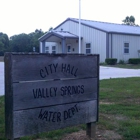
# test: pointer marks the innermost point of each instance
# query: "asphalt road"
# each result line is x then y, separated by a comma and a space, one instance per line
105, 73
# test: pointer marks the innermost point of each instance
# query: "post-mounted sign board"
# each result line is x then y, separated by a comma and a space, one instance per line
47, 92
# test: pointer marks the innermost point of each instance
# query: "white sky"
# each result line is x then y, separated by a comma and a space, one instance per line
24, 16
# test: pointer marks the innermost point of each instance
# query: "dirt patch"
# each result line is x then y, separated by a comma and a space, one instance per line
111, 135
81, 135
100, 135
120, 118
114, 117
106, 103
133, 100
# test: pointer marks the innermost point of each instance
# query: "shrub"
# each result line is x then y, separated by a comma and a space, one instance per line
121, 62
134, 60
1, 53
111, 61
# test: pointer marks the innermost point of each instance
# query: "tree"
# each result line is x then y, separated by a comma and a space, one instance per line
19, 43
51, 28
34, 39
25, 42
129, 20
4, 43
132, 19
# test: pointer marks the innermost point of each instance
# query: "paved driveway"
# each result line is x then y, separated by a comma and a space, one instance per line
105, 73
109, 72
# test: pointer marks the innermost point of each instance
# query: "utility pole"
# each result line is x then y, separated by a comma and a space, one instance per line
79, 26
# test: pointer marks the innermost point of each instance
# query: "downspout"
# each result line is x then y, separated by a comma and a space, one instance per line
107, 45
40, 47
111, 47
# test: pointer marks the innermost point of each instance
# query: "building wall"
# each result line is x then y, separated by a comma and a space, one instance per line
107, 45
89, 35
118, 41
97, 39
50, 44
73, 43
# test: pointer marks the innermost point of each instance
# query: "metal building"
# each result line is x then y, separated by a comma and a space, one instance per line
107, 39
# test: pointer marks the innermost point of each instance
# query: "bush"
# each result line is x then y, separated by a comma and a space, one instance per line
121, 62
111, 61
134, 60
1, 53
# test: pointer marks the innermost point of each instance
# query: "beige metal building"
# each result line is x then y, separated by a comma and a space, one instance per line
107, 39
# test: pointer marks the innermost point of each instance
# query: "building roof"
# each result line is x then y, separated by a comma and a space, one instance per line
65, 34
58, 34
102, 26
107, 27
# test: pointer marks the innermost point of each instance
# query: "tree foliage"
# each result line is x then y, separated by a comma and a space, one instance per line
129, 20
20, 43
25, 42
4, 43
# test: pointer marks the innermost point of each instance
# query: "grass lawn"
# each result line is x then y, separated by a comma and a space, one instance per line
127, 66
120, 107
119, 113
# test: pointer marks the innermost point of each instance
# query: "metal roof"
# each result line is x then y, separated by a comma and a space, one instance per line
102, 26
65, 34
110, 27
107, 27
59, 34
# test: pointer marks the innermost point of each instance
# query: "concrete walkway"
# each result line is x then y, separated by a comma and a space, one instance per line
110, 72
105, 73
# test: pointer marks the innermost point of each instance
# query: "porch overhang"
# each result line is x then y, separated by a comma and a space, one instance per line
57, 36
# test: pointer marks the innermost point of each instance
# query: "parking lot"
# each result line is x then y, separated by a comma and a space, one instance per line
105, 73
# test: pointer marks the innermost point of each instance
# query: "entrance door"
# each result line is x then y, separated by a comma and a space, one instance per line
69, 48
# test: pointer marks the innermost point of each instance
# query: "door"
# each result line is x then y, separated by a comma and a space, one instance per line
69, 48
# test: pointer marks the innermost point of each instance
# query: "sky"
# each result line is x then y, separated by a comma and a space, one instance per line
25, 16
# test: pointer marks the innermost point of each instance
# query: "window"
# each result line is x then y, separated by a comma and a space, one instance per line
47, 49
126, 47
88, 48
53, 49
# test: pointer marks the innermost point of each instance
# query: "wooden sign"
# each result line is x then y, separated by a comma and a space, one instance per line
47, 92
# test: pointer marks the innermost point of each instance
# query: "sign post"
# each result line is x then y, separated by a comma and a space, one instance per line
48, 92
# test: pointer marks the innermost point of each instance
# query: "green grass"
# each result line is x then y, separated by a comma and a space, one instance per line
120, 102
55, 135
126, 66
119, 111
